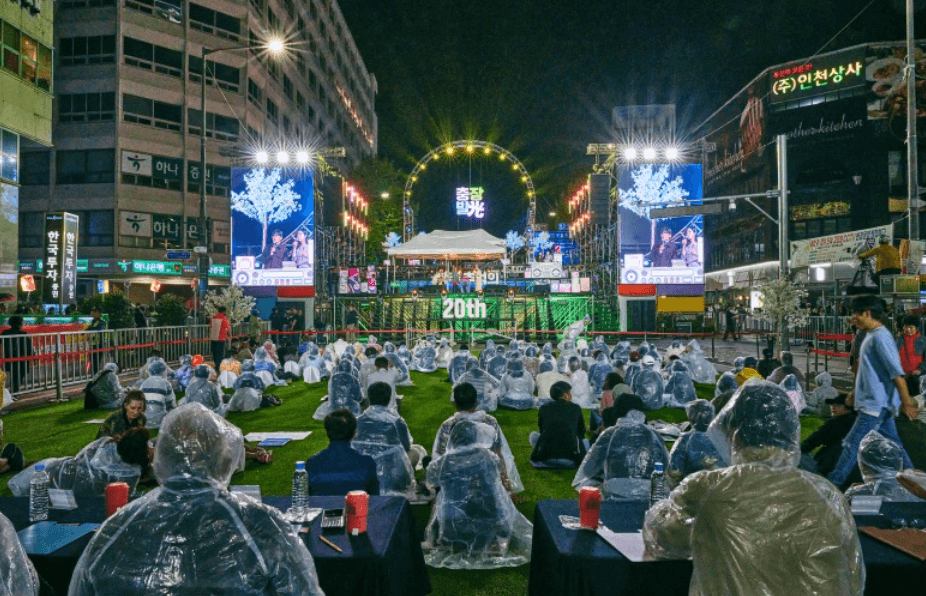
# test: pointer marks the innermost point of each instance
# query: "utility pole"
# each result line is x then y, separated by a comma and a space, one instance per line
784, 220
913, 180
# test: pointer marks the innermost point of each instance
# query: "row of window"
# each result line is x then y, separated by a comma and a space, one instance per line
96, 228
25, 57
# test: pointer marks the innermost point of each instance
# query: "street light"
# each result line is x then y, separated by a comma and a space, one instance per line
274, 46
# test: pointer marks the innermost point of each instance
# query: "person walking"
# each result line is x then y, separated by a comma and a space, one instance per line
97, 340
351, 319
730, 317
219, 334
16, 344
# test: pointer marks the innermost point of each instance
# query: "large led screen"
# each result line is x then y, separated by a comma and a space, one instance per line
661, 250
273, 227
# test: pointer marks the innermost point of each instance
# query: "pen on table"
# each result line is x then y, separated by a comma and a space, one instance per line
331, 544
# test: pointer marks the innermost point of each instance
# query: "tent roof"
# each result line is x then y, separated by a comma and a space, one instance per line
441, 244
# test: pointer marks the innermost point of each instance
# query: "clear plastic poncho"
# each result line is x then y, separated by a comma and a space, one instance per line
485, 385
694, 451
599, 345
159, 395
184, 374
598, 373
622, 351
516, 388
739, 363
581, 388
444, 354
823, 392
547, 378
793, 388
380, 435
205, 392
726, 382
106, 387
429, 361
145, 371
487, 354
787, 368
648, 384
623, 458
248, 378
17, 575
490, 436
880, 460
404, 380
474, 524
568, 351
631, 371
497, 366
675, 349
701, 370
87, 473
458, 366
680, 390
245, 399
405, 355
191, 535
265, 367
313, 359
343, 392
736, 523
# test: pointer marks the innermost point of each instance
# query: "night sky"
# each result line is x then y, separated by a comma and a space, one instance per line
540, 77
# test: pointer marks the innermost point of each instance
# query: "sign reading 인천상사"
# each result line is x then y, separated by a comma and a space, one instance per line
471, 202
836, 248
822, 74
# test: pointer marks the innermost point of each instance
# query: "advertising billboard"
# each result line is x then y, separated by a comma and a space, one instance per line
61, 231
273, 227
9, 237
662, 250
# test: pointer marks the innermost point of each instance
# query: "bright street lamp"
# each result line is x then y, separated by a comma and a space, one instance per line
649, 153
282, 157
671, 153
261, 157
630, 153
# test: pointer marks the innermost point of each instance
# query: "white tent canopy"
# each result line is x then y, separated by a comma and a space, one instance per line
473, 245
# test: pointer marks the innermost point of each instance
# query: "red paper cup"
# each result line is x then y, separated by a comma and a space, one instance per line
356, 507
117, 495
589, 507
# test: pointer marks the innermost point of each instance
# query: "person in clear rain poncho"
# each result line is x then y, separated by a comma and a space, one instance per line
248, 375
880, 460
314, 368
106, 388
546, 379
680, 389
726, 382
405, 356
427, 359
484, 383
384, 373
191, 535
205, 392
739, 364
760, 526
792, 387
531, 361
487, 354
787, 368
573, 332
824, 391
17, 575
458, 364
184, 374
343, 392
567, 352
103, 461
159, 394
490, 434
598, 372
246, 398
516, 388
474, 523
701, 370
383, 435
444, 354
581, 389
266, 368
497, 366
648, 384
229, 370
694, 451
403, 379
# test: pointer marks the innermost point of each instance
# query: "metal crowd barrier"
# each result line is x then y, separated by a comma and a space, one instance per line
42, 361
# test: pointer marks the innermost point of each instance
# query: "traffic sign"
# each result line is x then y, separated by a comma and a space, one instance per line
178, 255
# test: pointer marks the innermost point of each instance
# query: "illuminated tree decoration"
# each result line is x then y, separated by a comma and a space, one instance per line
266, 199
237, 306
514, 242
393, 240
652, 189
781, 303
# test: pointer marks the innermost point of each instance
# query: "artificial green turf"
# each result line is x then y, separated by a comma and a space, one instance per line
57, 430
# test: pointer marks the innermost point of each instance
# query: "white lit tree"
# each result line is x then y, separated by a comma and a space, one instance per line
237, 305
393, 240
266, 199
514, 242
781, 305
652, 189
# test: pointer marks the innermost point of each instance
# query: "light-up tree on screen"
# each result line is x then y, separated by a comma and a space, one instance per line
266, 199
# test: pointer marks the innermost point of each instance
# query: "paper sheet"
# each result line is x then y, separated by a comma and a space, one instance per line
630, 545
94, 421
293, 436
62, 499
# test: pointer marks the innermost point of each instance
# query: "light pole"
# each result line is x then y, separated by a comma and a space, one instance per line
274, 46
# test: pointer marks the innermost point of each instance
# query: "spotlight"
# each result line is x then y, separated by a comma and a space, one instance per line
470, 148
732, 206
282, 157
262, 157
649, 153
384, 195
671, 153
276, 46
630, 153
302, 157
487, 150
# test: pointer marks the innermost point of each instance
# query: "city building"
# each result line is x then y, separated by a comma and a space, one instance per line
127, 125
844, 116
25, 112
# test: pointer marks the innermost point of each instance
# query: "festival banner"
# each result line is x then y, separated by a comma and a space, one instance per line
836, 248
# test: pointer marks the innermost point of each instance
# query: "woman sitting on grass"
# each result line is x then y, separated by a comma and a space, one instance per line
130, 415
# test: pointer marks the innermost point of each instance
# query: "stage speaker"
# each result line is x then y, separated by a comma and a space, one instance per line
599, 196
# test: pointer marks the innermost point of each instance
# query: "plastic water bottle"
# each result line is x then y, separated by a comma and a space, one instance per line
657, 485
300, 491
38, 495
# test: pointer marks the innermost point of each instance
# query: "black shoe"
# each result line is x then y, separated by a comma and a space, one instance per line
18, 460
7, 451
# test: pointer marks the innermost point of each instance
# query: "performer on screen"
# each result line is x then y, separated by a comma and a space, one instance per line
663, 252
274, 253
302, 250
690, 248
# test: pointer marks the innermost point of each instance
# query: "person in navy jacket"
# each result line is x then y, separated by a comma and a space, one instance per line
339, 469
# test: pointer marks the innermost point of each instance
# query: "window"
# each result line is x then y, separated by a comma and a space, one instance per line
286, 125
214, 22
227, 77
300, 101
91, 166
274, 69
9, 155
218, 183
11, 43
31, 229
149, 112
98, 49
218, 127
66, 4
255, 95
288, 87
87, 107
271, 111
142, 54
169, 10
35, 168
273, 23
166, 173
313, 79
289, 7
97, 228
300, 63
300, 26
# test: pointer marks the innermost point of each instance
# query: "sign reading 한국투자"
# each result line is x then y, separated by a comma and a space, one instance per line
61, 235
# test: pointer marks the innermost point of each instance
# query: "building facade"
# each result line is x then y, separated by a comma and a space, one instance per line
127, 124
26, 43
844, 116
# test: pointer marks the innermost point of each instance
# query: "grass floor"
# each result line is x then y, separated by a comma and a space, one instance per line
58, 430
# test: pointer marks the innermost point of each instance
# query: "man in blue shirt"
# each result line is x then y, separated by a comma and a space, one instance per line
880, 387
339, 469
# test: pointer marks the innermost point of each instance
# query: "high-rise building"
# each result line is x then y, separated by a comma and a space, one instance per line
26, 42
127, 124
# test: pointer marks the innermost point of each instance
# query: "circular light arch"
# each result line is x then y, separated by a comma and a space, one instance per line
469, 148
